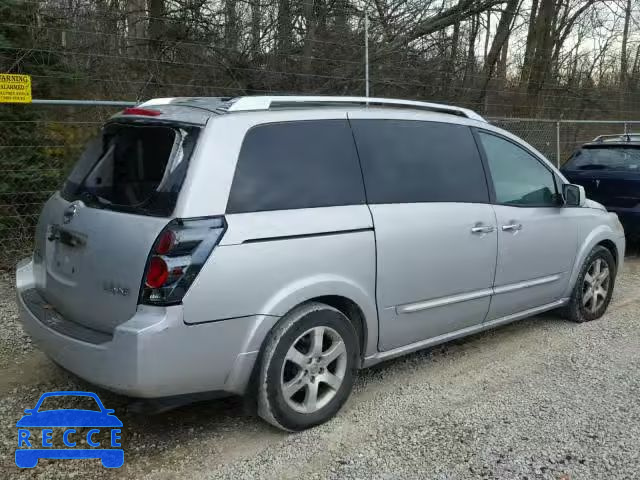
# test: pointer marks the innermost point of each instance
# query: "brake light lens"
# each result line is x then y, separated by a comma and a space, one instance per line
143, 112
157, 273
177, 256
166, 241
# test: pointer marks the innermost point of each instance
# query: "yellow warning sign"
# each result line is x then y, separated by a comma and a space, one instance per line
15, 88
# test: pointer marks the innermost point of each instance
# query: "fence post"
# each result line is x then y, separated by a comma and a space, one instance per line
558, 143
366, 53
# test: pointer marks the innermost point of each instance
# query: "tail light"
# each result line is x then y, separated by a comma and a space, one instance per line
143, 112
177, 257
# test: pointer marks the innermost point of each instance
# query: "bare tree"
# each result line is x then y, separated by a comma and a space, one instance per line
499, 40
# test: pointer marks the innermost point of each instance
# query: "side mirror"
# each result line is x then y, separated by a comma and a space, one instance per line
574, 195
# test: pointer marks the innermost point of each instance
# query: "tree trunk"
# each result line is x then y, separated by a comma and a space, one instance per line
311, 24
487, 35
230, 26
634, 69
156, 25
341, 15
530, 47
462, 10
453, 59
542, 54
470, 64
283, 44
255, 27
623, 55
502, 64
136, 26
381, 10
499, 40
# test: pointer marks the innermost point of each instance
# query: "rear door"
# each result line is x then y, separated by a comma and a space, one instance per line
93, 238
435, 230
537, 238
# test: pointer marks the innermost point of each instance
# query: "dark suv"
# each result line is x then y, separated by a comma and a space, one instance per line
609, 170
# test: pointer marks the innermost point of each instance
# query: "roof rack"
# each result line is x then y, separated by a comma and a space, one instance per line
253, 103
624, 137
287, 102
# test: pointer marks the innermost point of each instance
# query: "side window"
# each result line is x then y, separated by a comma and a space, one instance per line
406, 161
297, 165
519, 178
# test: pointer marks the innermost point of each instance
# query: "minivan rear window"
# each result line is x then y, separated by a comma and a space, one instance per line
136, 168
606, 158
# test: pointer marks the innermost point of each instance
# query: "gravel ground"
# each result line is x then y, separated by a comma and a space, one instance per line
541, 398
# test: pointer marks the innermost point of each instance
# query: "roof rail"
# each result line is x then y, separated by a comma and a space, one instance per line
275, 102
602, 138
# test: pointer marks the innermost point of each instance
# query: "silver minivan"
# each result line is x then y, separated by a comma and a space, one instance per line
272, 246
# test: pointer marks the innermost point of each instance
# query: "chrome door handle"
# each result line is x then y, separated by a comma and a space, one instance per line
512, 227
482, 229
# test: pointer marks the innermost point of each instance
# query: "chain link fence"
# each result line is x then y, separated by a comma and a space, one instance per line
558, 139
40, 142
38, 146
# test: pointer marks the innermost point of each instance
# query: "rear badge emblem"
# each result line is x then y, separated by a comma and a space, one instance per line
69, 213
114, 289
598, 183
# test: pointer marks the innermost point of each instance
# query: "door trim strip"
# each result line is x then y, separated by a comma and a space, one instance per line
430, 342
464, 297
529, 283
307, 235
440, 302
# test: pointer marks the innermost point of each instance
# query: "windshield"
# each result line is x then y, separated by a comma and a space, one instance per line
619, 158
138, 168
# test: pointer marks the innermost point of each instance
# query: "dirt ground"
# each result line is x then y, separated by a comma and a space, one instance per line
540, 398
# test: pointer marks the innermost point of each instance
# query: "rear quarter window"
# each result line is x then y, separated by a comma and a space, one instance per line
293, 165
408, 161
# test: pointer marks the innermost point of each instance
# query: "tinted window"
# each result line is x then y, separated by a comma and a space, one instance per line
518, 177
606, 158
297, 165
411, 161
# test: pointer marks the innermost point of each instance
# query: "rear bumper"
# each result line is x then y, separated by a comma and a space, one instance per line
153, 354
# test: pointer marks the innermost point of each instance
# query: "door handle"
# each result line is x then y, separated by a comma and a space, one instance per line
512, 227
482, 229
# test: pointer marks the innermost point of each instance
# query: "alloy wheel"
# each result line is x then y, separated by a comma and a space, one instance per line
314, 369
595, 287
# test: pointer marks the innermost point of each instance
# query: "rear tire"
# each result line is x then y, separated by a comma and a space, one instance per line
307, 367
594, 287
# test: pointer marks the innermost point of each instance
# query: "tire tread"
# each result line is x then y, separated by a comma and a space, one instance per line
265, 409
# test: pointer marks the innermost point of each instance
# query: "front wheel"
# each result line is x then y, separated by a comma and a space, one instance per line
307, 368
594, 287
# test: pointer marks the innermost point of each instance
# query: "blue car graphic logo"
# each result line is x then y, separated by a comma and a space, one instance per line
68, 419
